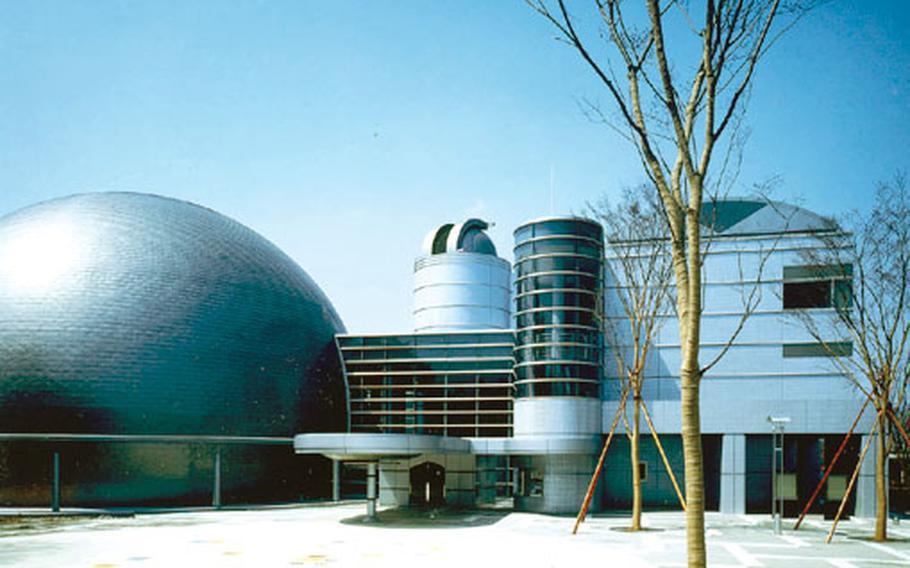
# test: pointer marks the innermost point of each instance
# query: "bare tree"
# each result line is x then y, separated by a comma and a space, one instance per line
678, 105
863, 275
641, 277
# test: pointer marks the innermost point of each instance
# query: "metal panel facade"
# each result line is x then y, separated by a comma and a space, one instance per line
126, 313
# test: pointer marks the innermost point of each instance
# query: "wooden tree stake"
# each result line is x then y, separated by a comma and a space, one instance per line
600, 464
830, 467
859, 464
900, 427
663, 455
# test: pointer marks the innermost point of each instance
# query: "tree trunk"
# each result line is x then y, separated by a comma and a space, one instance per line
694, 482
881, 490
636, 473
690, 381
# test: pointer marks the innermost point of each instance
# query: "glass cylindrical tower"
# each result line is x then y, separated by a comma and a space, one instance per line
559, 325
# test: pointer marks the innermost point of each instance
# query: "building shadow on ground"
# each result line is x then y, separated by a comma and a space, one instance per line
439, 518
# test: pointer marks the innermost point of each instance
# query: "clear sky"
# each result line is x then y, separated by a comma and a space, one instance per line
344, 131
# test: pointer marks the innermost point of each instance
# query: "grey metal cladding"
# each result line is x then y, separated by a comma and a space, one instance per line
165, 318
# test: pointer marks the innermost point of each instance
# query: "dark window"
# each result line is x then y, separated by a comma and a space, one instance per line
558, 371
843, 294
588, 390
835, 348
818, 286
643, 471
815, 294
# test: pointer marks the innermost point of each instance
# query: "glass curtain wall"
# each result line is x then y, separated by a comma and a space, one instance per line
558, 308
447, 384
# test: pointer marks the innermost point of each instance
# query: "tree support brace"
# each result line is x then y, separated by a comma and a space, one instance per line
600, 464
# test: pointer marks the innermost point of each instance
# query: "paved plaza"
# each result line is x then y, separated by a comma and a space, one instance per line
335, 535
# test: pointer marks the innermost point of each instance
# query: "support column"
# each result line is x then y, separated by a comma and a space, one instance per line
371, 491
865, 483
733, 474
336, 480
216, 483
55, 488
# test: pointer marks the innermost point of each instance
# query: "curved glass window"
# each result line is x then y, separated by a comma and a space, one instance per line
559, 335
525, 390
566, 316
376, 367
548, 281
524, 233
553, 263
559, 289
558, 371
558, 246
568, 227
558, 352
556, 299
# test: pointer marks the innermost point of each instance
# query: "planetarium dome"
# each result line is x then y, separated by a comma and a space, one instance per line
135, 314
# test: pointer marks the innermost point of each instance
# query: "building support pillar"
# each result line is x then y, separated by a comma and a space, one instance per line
336, 480
733, 474
55, 488
371, 490
865, 483
216, 482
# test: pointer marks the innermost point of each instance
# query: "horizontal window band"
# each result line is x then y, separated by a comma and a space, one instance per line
781, 312
358, 385
555, 273
353, 348
422, 399
519, 261
818, 272
368, 427
832, 349
771, 375
427, 360
462, 284
558, 309
345, 336
556, 291
771, 238
427, 412
423, 372
721, 344
543, 238
558, 390
480, 305
525, 346
578, 326
556, 362
558, 380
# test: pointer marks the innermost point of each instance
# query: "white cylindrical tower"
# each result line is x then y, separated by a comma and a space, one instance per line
459, 282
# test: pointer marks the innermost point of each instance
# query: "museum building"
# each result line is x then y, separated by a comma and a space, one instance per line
154, 352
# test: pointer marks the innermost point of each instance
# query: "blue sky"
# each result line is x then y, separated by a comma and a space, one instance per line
344, 131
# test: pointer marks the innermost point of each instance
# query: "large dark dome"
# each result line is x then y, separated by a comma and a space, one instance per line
125, 313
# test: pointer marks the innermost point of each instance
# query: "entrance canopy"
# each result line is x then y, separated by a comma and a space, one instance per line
372, 447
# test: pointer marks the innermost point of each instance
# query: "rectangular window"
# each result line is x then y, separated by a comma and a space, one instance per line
818, 286
807, 294
835, 348
818, 272
643, 471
